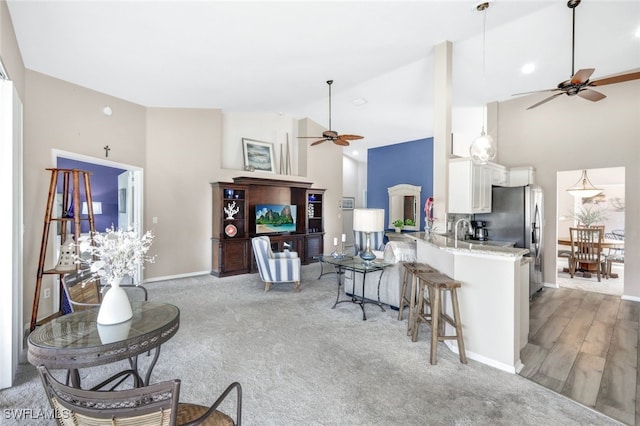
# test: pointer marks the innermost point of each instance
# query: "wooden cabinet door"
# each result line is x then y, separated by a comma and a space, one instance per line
235, 256
314, 246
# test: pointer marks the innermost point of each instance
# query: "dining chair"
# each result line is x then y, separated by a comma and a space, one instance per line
613, 250
610, 259
156, 404
619, 234
586, 250
84, 289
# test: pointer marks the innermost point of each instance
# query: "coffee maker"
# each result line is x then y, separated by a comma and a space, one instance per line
480, 231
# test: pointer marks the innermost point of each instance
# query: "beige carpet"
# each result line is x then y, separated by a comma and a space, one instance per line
302, 363
611, 286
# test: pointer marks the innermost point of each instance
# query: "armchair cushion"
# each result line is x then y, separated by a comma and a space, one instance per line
360, 241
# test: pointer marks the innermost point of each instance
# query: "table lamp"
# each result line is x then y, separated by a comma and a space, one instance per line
368, 221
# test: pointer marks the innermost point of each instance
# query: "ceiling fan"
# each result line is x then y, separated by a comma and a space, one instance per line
330, 135
579, 84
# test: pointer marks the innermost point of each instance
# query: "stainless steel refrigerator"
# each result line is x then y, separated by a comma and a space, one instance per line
516, 215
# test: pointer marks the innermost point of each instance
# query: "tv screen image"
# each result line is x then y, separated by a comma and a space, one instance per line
274, 218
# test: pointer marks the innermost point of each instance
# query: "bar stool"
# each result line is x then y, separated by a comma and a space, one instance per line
410, 271
431, 312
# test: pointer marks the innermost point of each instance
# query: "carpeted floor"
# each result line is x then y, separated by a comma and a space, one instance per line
302, 363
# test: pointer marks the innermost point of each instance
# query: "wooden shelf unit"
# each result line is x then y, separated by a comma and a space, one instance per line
72, 180
231, 252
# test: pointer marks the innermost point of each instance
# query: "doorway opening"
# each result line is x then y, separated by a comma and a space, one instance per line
608, 207
117, 187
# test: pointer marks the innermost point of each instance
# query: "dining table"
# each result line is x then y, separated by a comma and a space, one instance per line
607, 243
76, 340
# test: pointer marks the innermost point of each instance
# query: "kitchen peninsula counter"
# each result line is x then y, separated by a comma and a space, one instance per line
493, 298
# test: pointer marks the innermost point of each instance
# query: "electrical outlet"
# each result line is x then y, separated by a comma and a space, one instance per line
47, 293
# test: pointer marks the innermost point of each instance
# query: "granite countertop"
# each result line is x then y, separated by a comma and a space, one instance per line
495, 248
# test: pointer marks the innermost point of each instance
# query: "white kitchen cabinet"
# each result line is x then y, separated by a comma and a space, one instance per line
499, 174
521, 176
469, 187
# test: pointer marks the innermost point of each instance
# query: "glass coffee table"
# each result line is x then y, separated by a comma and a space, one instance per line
356, 265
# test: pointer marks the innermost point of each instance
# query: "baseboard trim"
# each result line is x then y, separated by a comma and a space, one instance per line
175, 277
631, 298
513, 369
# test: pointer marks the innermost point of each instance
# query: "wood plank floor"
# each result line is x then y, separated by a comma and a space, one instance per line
584, 345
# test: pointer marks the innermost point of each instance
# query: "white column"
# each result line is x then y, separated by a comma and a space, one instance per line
11, 226
441, 130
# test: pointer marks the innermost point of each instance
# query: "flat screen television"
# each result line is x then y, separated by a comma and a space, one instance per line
275, 218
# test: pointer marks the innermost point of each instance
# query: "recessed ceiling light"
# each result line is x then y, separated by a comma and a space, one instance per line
354, 153
528, 68
359, 101
638, 33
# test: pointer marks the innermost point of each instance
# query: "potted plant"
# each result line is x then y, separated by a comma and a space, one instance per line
399, 224
590, 214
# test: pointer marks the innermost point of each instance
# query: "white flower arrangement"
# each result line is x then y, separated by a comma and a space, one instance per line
116, 253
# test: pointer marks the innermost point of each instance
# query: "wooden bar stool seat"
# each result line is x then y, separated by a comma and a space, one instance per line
409, 278
430, 311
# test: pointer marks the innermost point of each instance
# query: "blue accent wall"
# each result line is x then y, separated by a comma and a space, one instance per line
408, 162
104, 188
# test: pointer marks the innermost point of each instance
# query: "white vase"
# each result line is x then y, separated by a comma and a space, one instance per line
115, 307
110, 333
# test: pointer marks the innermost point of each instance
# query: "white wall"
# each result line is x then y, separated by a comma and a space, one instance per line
265, 127
570, 133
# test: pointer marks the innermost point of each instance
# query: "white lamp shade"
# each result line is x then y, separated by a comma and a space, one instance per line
97, 207
368, 220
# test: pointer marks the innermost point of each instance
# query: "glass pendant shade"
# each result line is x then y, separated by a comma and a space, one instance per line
483, 149
584, 188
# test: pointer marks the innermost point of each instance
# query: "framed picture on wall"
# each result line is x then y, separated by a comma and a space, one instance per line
258, 156
348, 203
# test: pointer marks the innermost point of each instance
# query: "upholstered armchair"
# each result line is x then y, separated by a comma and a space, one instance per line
275, 267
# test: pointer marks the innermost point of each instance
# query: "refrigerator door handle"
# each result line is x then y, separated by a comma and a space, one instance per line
537, 234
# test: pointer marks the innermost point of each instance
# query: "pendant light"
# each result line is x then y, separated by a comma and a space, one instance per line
583, 188
483, 148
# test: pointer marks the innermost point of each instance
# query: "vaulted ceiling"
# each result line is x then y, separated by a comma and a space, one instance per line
269, 56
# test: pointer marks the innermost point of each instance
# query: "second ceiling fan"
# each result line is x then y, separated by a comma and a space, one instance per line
330, 135
579, 84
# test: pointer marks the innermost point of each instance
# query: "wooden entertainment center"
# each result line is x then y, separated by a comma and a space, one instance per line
234, 221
